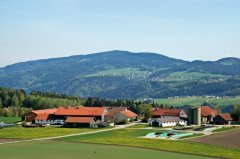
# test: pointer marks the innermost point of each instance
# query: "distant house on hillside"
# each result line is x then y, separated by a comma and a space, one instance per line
223, 119
168, 113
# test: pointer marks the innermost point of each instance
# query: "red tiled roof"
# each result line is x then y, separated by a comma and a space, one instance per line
207, 111
43, 117
116, 109
129, 114
80, 111
166, 112
79, 119
45, 111
226, 116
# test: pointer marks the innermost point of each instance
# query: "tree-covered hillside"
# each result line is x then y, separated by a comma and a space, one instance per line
121, 74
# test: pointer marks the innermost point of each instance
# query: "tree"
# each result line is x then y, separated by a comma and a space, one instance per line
15, 101
145, 110
236, 112
1, 104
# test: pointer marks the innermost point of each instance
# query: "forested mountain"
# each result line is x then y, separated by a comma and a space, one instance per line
121, 74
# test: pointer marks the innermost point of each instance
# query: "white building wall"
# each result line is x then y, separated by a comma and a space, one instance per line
51, 122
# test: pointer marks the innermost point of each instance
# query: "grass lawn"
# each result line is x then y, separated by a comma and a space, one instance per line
32, 133
63, 150
145, 125
194, 135
224, 129
10, 120
130, 137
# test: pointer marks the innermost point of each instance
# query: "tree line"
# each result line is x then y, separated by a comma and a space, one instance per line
16, 102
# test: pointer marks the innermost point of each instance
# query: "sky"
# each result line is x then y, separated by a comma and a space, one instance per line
186, 29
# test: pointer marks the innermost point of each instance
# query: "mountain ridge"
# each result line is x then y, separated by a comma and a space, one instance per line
123, 74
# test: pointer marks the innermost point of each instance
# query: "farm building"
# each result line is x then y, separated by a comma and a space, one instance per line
223, 119
119, 114
168, 113
207, 114
76, 122
47, 119
30, 117
166, 122
97, 112
201, 115
69, 115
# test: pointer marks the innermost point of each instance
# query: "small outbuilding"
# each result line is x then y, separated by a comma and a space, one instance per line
76, 122
166, 122
223, 119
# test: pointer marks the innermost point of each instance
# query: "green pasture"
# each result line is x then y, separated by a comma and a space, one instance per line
10, 120
197, 101
40, 132
63, 150
131, 137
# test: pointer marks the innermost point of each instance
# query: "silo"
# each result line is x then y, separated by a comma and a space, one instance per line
190, 116
197, 116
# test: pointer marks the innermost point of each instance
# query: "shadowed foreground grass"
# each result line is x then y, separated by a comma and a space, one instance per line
130, 137
63, 150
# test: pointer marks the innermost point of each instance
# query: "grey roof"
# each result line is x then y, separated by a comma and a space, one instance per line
172, 119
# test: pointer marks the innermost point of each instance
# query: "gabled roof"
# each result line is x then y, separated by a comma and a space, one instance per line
80, 111
207, 111
129, 114
79, 119
116, 109
226, 116
166, 112
45, 111
44, 117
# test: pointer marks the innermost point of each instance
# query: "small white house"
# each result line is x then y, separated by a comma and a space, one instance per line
47, 119
166, 122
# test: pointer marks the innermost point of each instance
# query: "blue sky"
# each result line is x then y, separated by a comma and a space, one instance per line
186, 29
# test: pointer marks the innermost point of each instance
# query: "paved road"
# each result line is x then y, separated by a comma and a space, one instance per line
57, 137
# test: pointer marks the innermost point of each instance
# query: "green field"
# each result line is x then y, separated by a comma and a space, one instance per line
127, 72
10, 120
63, 150
182, 76
197, 101
130, 137
33, 133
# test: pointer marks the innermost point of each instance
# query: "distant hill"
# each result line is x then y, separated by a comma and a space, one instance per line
121, 74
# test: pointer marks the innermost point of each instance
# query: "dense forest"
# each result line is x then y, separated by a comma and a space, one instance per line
15, 102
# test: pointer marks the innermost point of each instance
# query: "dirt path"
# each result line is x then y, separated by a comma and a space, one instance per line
225, 139
57, 137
